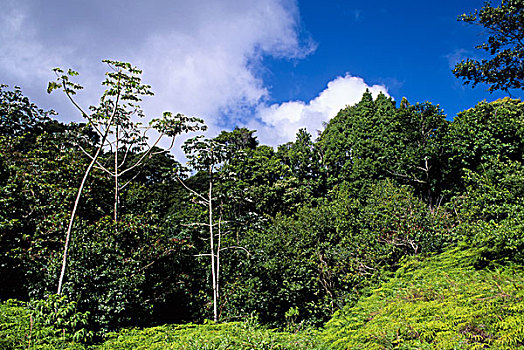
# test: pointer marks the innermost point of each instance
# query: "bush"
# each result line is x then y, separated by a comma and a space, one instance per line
490, 213
120, 271
303, 268
51, 323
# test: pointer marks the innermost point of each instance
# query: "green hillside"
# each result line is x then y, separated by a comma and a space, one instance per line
396, 227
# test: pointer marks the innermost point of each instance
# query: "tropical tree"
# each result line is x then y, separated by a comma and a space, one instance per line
38, 172
20, 119
355, 143
490, 130
207, 155
504, 25
119, 134
36, 196
416, 154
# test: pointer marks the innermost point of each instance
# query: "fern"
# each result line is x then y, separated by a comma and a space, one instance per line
438, 303
234, 335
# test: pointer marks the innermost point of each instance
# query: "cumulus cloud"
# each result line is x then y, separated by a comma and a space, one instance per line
200, 56
213, 68
279, 123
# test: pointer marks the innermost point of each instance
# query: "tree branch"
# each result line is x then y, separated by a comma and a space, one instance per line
237, 247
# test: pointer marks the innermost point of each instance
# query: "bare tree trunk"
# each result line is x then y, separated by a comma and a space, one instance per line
212, 245
219, 241
215, 239
75, 207
79, 194
115, 209
69, 227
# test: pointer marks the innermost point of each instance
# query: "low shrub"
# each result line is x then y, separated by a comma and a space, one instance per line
50, 323
233, 335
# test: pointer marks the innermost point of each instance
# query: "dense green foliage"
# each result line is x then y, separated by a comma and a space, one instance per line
23, 327
374, 140
315, 261
305, 229
232, 336
441, 302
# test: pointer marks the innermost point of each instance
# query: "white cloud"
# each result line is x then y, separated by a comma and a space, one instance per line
213, 69
201, 57
279, 123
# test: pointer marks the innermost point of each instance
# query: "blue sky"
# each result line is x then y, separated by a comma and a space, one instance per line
408, 46
270, 65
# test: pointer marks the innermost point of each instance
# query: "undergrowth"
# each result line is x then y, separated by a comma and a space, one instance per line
441, 302
21, 327
234, 335
47, 324
438, 303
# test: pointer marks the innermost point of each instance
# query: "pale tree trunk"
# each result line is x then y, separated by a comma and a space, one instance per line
71, 220
212, 245
219, 236
115, 209
215, 238
77, 201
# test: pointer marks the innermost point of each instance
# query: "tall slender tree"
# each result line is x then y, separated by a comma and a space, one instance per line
208, 155
118, 132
